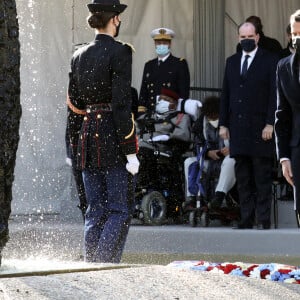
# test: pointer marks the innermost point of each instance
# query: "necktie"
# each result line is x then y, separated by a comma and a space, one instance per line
245, 66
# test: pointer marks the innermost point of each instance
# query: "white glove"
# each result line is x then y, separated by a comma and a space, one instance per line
160, 138
69, 161
133, 164
192, 108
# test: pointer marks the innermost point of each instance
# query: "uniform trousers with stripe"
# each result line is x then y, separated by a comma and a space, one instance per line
109, 193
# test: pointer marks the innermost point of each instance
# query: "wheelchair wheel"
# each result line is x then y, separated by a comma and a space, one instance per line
193, 219
154, 208
204, 218
298, 218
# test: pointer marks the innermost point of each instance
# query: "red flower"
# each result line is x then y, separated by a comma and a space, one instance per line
251, 268
229, 267
264, 273
284, 271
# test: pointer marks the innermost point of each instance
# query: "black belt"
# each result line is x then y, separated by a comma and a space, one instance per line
98, 107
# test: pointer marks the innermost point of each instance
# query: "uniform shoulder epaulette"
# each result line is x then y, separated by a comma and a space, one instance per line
181, 58
127, 44
78, 48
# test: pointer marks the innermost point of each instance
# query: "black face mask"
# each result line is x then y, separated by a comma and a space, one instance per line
296, 44
248, 45
117, 29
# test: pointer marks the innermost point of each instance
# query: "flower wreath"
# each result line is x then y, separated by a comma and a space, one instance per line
272, 271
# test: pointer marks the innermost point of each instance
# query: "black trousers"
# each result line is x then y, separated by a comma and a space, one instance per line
254, 183
295, 161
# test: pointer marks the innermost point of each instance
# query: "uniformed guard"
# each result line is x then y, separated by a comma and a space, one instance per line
165, 71
102, 133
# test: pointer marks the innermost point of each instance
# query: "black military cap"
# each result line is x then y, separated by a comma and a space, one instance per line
106, 5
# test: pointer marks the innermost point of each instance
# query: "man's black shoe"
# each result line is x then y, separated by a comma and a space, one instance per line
263, 226
243, 226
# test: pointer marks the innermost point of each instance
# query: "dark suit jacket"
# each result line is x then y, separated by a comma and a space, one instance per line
287, 125
248, 105
173, 73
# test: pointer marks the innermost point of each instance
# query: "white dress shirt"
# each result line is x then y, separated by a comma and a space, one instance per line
250, 59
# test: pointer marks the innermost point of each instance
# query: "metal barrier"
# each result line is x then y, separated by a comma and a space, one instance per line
201, 92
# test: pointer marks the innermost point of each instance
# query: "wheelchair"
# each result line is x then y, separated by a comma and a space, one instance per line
159, 190
202, 214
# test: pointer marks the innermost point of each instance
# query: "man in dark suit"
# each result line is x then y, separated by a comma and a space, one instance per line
164, 71
287, 123
247, 111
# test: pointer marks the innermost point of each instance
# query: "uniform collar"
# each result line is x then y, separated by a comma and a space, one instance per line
163, 59
100, 36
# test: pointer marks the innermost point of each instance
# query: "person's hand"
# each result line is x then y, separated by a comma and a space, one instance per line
213, 154
69, 161
287, 171
160, 138
225, 151
267, 132
133, 164
224, 133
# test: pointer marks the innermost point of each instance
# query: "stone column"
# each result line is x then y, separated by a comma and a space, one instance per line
10, 108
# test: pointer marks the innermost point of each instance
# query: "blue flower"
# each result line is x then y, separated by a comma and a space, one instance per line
199, 268
237, 272
283, 277
277, 276
296, 274
270, 267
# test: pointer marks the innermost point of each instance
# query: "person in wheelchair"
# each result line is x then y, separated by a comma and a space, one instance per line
217, 162
164, 134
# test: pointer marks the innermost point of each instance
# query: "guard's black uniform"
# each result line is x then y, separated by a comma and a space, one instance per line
97, 76
101, 130
173, 74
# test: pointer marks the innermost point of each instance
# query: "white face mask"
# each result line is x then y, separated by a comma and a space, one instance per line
214, 123
162, 106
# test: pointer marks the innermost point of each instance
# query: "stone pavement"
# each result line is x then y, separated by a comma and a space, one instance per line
49, 236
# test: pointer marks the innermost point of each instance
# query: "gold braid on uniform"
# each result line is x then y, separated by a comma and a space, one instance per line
132, 130
142, 109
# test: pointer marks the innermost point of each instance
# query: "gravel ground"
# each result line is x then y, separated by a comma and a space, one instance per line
144, 282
